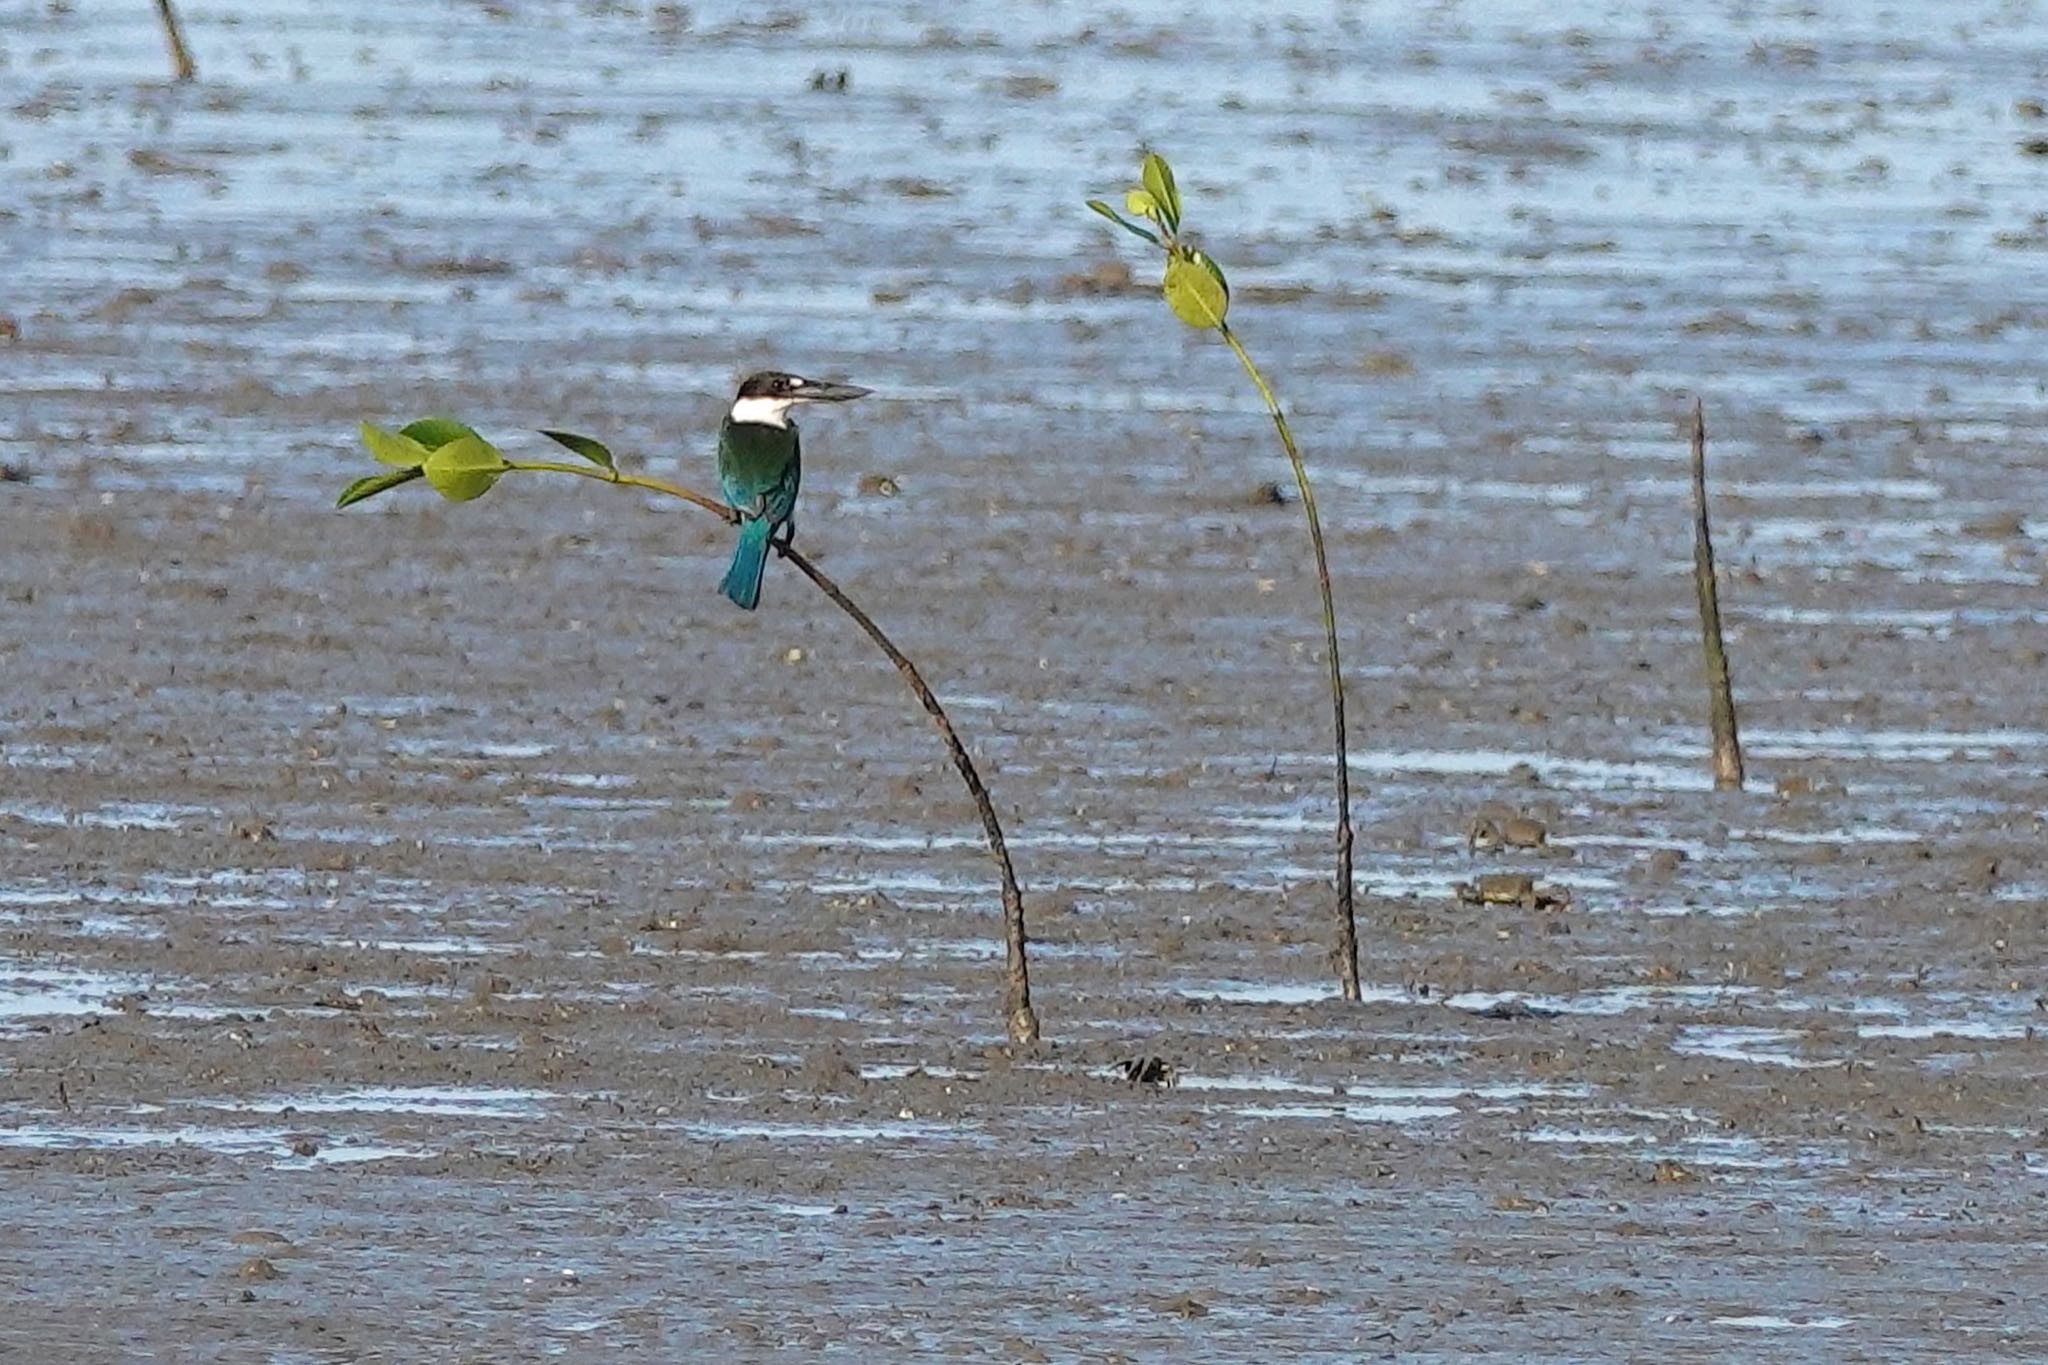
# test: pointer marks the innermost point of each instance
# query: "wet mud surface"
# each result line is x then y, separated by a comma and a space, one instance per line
435, 933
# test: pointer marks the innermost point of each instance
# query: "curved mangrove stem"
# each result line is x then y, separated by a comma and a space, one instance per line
1347, 924
1022, 1020
1017, 1005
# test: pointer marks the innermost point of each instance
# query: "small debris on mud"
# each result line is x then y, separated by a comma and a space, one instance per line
1514, 1009
1512, 888
1152, 1071
458, 267
1494, 834
1793, 785
1997, 526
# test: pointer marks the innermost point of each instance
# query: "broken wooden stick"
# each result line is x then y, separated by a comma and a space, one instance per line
1720, 691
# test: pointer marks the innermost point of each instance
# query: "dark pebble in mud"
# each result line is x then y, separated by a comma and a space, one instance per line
1514, 1009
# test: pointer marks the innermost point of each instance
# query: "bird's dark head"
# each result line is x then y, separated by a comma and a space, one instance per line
768, 396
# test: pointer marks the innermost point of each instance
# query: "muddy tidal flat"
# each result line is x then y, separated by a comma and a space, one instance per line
455, 933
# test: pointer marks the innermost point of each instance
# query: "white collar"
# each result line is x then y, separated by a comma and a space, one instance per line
766, 412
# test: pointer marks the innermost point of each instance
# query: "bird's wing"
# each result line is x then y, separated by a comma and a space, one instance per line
755, 468
781, 499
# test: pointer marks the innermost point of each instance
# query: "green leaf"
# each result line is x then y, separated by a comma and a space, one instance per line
1196, 290
1140, 203
374, 484
593, 451
1126, 224
1158, 177
395, 449
435, 432
465, 468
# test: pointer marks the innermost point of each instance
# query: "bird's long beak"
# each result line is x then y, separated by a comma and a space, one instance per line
817, 391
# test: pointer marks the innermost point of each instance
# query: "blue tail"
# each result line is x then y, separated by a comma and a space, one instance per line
749, 561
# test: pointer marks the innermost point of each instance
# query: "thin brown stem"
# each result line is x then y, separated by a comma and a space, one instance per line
1021, 1019
1346, 952
1720, 691
1017, 1005
174, 35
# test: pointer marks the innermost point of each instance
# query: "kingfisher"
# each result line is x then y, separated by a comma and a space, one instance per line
760, 464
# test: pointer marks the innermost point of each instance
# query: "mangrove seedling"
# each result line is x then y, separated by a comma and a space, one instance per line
462, 466
1199, 295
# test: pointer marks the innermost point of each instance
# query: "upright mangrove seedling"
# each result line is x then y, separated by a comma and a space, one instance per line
1200, 297
463, 466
